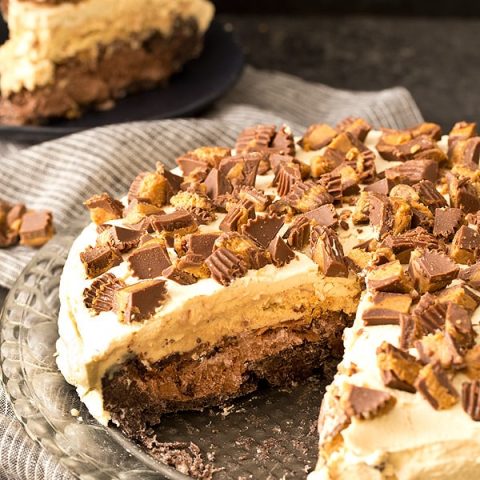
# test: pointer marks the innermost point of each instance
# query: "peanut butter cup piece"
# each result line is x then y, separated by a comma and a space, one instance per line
386, 308
422, 146
139, 301
98, 260
366, 403
36, 228
324, 216
241, 169
429, 315
432, 130
298, 235
413, 171
471, 399
398, 369
317, 136
434, 385
307, 196
382, 186
447, 221
120, 238
439, 348
326, 162
280, 252
465, 245
458, 326
381, 213
136, 211
471, 275
333, 184
202, 243
327, 253
263, 229
431, 270
225, 266
99, 295
216, 184
152, 187
103, 208
258, 198
389, 277
179, 276
203, 158
193, 264
149, 261
283, 141
463, 194
429, 195
237, 216
287, 175
180, 221
460, 294
358, 127
255, 139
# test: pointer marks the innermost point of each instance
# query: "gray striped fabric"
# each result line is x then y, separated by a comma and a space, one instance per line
61, 174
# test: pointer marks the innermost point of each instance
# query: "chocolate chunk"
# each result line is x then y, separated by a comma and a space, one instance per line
381, 187
202, 158
463, 194
306, 196
431, 270
386, 308
241, 169
172, 222
413, 171
389, 277
103, 208
438, 348
149, 261
327, 253
202, 243
366, 403
36, 228
429, 195
225, 266
471, 399
458, 326
465, 245
287, 175
179, 276
471, 275
217, 184
317, 136
381, 213
422, 146
120, 238
434, 385
398, 369
325, 216
447, 221
99, 295
402, 245
280, 252
358, 127
139, 301
429, 315
263, 229
98, 260
298, 235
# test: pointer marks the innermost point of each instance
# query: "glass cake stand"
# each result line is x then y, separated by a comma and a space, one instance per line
268, 435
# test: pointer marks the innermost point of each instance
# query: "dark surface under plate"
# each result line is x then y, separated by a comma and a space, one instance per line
199, 84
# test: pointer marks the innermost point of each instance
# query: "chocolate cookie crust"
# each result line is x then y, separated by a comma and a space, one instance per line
121, 68
138, 395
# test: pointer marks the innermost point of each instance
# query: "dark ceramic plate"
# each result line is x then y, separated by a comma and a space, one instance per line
200, 83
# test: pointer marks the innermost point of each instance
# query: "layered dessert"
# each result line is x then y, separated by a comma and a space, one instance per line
64, 57
244, 267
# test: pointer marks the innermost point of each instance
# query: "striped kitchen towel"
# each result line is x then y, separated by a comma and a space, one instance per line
59, 175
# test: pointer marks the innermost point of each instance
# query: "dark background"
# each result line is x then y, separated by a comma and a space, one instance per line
431, 48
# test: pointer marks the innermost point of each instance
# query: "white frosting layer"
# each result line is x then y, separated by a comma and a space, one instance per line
43, 35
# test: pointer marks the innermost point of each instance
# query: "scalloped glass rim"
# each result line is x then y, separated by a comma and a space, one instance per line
42, 400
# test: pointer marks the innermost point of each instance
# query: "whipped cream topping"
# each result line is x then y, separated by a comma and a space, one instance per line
42, 35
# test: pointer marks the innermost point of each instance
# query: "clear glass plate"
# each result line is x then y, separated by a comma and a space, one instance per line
268, 435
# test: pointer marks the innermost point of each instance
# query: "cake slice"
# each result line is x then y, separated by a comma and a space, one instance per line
64, 57
245, 266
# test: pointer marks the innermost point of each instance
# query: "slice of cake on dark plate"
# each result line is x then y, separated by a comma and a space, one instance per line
64, 57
